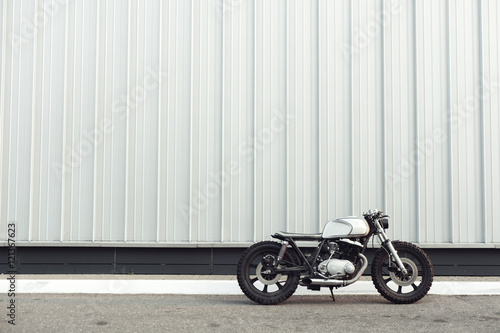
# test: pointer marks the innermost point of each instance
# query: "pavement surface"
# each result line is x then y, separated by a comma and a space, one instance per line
192, 303
206, 313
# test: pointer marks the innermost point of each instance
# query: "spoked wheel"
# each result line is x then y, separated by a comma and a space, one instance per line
257, 279
396, 286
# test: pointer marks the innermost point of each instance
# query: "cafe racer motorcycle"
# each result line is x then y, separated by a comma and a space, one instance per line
269, 272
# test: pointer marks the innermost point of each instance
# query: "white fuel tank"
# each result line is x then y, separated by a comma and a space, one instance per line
351, 226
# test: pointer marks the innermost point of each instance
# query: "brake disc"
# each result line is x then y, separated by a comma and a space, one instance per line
412, 275
268, 278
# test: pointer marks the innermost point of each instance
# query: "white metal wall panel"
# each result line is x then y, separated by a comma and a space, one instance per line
302, 130
400, 108
223, 121
490, 61
335, 97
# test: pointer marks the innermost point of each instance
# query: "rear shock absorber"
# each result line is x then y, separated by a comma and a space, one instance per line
284, 246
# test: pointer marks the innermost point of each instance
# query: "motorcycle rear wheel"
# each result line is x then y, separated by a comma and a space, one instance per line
260, 286
399, 288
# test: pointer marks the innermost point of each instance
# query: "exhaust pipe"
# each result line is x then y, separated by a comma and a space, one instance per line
336, 283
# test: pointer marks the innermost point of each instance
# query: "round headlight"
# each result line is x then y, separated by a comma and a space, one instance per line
385, 222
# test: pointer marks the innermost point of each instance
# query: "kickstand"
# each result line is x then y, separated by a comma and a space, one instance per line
331, 292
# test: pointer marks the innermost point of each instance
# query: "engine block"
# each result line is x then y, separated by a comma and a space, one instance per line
336, 267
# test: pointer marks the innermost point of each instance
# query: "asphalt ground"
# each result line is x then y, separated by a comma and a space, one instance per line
211, 313
118, 309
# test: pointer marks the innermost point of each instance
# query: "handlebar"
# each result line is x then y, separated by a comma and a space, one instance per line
375, 213
372, 212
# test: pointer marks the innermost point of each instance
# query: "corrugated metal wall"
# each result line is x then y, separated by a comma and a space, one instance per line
227, 120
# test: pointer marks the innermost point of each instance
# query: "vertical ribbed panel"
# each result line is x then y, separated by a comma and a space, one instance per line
466, 122
302, 115
335, 136
490, 86
204, 205
226, 120
401, 123
233, 180
269, 144
430, 163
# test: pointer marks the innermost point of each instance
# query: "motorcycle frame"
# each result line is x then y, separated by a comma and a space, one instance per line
377, 228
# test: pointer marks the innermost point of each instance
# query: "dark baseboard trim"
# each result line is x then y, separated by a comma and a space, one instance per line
205, 261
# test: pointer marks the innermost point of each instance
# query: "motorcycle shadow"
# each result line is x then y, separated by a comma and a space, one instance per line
339, 299
301, 300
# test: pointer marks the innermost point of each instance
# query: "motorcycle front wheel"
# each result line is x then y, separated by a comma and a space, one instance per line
397, 287
255, 276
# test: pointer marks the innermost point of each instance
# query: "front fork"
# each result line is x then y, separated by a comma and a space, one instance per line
386, 242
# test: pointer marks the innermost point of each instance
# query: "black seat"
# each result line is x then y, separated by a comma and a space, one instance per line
297, 236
